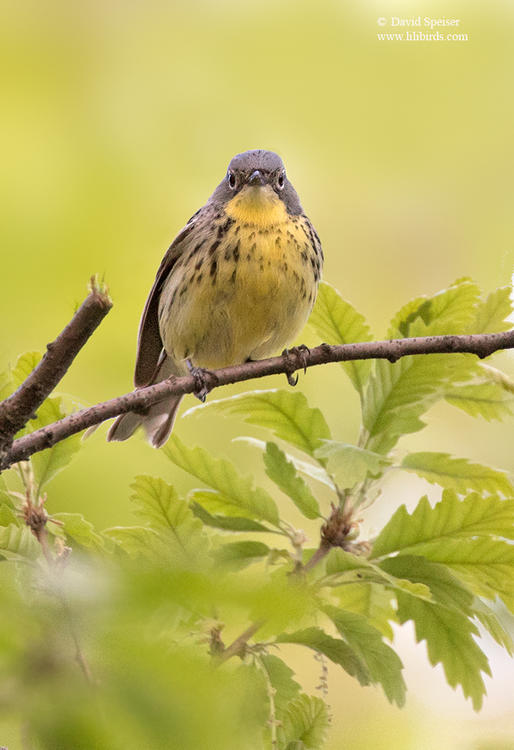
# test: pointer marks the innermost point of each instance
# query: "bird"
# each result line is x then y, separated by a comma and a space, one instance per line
237, 284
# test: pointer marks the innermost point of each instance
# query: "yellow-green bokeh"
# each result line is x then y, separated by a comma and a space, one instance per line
118, 120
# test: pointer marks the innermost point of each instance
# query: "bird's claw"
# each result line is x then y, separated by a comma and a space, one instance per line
200, 375
301, 354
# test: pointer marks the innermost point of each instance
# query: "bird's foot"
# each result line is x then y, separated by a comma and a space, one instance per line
201, 377
301, 356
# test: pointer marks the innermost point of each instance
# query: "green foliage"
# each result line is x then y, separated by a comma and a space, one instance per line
284, 474
223, 564
336, 322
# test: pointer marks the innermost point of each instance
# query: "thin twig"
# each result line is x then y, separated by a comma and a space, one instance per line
238, 646
139, 400
16, 410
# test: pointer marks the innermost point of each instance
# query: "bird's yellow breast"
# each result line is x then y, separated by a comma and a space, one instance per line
249, 291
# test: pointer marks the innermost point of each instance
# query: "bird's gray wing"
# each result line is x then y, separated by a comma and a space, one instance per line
149, 342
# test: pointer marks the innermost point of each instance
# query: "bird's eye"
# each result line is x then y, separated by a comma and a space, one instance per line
231, 179
281, 180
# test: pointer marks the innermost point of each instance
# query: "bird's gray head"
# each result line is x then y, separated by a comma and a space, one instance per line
257, 169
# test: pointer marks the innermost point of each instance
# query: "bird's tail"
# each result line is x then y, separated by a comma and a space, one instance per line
157, 421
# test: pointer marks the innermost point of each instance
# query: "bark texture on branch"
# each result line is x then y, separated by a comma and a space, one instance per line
18, 408
480, 344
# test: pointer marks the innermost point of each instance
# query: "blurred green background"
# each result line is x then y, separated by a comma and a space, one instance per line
119, 119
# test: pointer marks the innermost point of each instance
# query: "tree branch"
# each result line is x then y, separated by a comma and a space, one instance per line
238, 647
16, 410
139, 400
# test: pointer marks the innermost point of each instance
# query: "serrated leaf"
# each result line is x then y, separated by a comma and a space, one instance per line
240, 554
383, 664
280, 677
18, 543
350, 464
158, 504
445, 587
373, 601
338, 322
333, 648
25, 364
283, 473
344, 568
46, 464
492, 313
286, 414
6, 384
224, 478
315, 471
227, 523
399, 394
458, 474
449, 638
304, 724
79, 530
136, 541
407, 314
487, 400
8, 516
491, 622
485, 564
450, 518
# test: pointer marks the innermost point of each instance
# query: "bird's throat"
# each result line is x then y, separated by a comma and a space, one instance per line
259, 206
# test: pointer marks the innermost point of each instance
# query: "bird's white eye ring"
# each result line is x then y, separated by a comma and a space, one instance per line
231, 179
281, 180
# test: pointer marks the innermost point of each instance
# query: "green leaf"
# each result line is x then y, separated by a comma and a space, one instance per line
491, 622
407, 314
350, 464
5, 496
450, 518
487, 400
446, 588
137, 541
81, 531
337, 322
8, 516
48, 463
6, 384
486, 565
444, 623
372, 600
450, 311
240, 554
314, 471
25, 364
333, 648
287, 414
492, 313
304, 724
398, 394
224, 478
227, 523
458, 474
280, 677
448, 635
383, 664
283, 473
166, 513
18, 543
344, 568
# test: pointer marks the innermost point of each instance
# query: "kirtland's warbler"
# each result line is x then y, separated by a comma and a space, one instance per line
237, 284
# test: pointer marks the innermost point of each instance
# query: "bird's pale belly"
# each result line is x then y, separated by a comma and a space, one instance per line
248, 299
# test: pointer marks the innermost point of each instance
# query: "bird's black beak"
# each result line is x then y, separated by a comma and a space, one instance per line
256, 178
